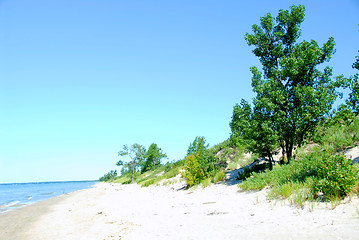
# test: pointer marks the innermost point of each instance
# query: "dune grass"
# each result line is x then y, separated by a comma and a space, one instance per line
320, 173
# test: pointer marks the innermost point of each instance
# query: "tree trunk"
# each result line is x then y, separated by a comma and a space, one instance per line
133, 172
289, 151
270, 160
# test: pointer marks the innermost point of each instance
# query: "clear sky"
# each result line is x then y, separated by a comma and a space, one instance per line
81, 78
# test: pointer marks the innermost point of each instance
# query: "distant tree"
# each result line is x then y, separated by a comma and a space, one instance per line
136, 154
153, 158
292, 94
110, 176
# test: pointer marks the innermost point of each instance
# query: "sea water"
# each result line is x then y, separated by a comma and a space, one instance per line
14, 195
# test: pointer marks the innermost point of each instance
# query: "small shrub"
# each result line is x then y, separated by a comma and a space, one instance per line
179, 163
148, 183
233, 165
206, 182
172, 173
284, 190
168, 167
219, 176
192, 173
244, 174
299, 196
355, 189
336, 177
124, 179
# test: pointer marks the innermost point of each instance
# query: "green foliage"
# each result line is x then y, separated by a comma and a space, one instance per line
298, 171
233, 165
136, 154
244, 174
205, 159
193, 173
292, 94
337, 136
219, 176
335, 177
110, 176
123, 179
352, 83
206, 182
153, 158
285, 190
173, 172
316, 172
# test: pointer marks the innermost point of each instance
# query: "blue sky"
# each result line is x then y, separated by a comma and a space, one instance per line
79, 79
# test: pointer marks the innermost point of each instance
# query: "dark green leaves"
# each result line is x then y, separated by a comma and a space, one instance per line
293, 95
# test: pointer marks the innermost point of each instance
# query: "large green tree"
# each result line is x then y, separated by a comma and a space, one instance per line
292, 94
153, 157
136, 153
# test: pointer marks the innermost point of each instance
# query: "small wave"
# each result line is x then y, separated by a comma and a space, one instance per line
10, 204
48, 193
29, 198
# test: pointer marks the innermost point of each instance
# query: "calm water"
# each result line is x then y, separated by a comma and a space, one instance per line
15, 195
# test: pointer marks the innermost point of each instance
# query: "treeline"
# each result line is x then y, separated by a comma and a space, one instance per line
139, 160
201, 163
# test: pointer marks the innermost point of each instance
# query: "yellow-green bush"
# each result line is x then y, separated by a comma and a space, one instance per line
219, 176
193, 173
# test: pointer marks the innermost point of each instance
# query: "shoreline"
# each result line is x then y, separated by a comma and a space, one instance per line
17, 220
32, 192
113, 211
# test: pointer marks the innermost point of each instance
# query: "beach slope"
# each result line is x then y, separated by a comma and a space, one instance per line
113, 211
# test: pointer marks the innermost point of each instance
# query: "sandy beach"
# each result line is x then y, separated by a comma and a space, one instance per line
114, 211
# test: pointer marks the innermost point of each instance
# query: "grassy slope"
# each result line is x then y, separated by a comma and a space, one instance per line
168, 174
318, 173
294, 181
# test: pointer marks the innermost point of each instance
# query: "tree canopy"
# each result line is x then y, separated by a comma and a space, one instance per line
292, 94
153, 157
136, 153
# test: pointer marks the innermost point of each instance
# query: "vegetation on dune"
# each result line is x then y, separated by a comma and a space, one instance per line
136, 153
292, 109
153, 158
316, 174
110, 176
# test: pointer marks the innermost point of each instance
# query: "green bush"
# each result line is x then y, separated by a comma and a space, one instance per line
244, 174
220, 175
338, 136
168, 167
193, 173
205, 159
172, 173
336, 177
206, 182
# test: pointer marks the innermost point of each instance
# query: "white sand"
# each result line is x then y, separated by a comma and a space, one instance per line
113, 211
